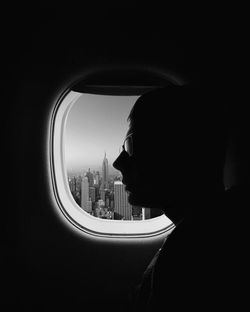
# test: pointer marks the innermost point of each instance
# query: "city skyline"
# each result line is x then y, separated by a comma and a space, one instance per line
81, 170
96, 124
96, 127
104, 196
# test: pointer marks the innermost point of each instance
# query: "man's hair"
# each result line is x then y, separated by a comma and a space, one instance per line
181, 104
186, 118
180, 108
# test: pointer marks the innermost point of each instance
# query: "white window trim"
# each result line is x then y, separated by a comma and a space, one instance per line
69, 208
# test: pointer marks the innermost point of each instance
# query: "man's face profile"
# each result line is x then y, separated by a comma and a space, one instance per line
170, 150
135, 166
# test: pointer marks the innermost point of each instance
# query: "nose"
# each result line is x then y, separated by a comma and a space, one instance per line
121, 161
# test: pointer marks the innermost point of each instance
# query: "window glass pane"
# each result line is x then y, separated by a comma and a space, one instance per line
95, 130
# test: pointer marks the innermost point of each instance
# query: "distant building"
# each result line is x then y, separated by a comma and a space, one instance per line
89, 206
105, 173
108, 198
100, 203
85, 195
136, 213
97, 192
75, 188
102, 194
90, 177
92, 193
102, 212
122, 208
146, 213
72, 184
97, 179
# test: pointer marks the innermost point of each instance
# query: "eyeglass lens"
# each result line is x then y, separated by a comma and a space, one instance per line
128, 145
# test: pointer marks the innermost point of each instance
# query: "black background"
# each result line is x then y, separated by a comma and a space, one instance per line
47, 267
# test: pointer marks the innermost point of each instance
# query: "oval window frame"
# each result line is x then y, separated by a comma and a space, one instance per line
75, 215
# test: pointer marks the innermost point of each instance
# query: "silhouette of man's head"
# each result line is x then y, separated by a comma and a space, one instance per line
174, 148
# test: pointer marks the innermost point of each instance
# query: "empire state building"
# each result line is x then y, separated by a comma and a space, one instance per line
105, 172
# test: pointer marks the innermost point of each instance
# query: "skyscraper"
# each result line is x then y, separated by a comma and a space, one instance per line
97, 178
105, 173
85, 202
102, 194
72, 184
90, 177
122, 209
92, 194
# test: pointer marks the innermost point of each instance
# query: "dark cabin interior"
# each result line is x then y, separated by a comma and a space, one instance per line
47, 47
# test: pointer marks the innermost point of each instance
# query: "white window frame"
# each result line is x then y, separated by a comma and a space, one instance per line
65, 201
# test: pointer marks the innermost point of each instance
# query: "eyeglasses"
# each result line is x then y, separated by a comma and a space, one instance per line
128, 145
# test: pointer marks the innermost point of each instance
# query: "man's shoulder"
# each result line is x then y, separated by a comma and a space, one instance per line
181, 238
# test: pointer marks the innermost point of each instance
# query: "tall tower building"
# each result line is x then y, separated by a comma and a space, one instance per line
85, 195
72, 184
102, 194
105, 173
97, 178
90, 177
122, 208
92, 194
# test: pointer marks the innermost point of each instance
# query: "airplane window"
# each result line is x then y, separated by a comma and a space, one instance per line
89, 130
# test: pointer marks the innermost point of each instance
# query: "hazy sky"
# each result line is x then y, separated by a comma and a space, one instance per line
95, 124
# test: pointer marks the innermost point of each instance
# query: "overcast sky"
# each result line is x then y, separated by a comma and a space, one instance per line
96, 124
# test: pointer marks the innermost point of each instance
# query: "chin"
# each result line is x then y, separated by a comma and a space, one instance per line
139, 200
134, 200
